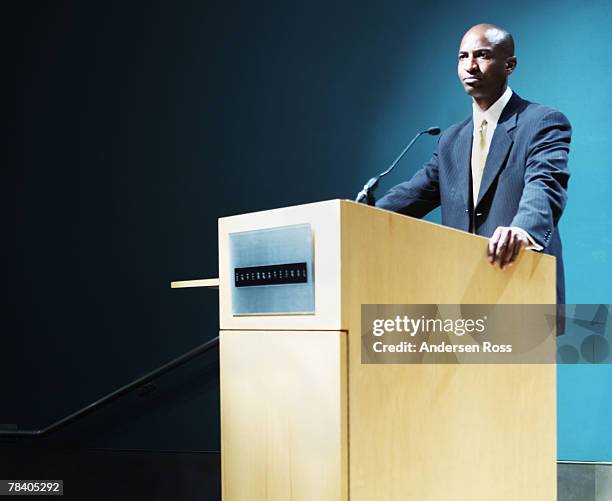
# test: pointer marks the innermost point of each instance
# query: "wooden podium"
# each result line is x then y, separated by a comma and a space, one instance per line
304, 420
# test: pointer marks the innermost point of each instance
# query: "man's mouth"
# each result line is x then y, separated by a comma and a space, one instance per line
471, 79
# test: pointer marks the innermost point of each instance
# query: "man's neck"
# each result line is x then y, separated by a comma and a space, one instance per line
484, 103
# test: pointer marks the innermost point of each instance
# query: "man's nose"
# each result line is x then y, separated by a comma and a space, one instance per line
472, 65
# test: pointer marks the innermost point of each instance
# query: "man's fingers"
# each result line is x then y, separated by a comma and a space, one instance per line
511, 251
520, 243
502, 245
491, 249
507, 249
505, 245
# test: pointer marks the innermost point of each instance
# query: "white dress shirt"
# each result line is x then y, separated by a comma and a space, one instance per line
491, 115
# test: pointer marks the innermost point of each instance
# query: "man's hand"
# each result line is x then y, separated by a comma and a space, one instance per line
505, 245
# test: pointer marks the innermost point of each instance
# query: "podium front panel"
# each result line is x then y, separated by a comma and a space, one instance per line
283, 415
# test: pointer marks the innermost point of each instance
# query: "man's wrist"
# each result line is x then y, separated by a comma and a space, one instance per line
533, 245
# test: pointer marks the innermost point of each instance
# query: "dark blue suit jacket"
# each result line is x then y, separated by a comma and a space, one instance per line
524, 181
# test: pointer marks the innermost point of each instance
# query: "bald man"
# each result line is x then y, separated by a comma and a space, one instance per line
502, 172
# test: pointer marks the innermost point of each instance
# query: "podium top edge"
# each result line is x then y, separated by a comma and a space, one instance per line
331, 203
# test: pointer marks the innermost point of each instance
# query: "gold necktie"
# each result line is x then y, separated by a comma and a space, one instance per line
481, 159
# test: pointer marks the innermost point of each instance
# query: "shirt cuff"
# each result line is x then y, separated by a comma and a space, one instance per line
533, 245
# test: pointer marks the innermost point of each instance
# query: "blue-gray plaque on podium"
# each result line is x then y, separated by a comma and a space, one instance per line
272, 271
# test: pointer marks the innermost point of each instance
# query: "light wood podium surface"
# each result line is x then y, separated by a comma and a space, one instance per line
304, 419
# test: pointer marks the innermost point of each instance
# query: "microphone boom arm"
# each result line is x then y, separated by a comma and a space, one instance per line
367, 193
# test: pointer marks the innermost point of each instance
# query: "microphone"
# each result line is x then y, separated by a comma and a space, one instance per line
367, 193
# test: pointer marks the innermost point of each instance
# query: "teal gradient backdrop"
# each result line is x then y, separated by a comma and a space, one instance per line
563, 49
137, 125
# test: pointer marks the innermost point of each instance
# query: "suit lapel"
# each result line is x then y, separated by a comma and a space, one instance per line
500, 145
463, 155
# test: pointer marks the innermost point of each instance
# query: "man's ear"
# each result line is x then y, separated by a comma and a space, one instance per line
510, 64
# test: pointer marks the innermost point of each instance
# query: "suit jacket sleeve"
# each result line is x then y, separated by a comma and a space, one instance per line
546, 177
419, 195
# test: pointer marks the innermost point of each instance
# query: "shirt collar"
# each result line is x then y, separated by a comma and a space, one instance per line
492, 114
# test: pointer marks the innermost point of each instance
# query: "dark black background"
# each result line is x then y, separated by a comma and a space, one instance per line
130, 128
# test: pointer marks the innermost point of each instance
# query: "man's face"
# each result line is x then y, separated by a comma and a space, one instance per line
483, 66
